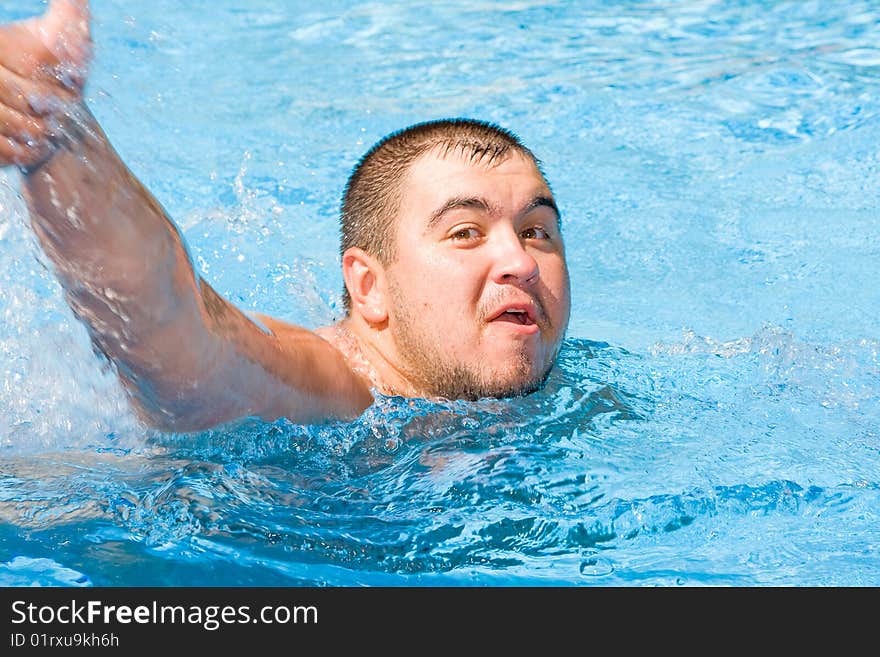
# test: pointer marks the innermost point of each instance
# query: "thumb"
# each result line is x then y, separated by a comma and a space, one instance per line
64, 30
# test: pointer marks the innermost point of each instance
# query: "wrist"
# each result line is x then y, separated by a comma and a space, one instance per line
66, 133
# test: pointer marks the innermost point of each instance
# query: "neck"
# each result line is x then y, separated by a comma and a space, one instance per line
367, 351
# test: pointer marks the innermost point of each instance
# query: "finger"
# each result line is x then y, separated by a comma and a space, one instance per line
21, 126
17, 153
60, 37
21, 51
14, 152
64, 30
30, 96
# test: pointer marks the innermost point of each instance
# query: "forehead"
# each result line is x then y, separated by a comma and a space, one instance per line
438, 175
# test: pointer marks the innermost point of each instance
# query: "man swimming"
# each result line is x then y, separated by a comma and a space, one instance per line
456, 283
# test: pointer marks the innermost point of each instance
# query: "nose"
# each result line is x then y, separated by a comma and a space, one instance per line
513, 264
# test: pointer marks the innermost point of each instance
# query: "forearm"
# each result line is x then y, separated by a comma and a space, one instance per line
189, 358
123, 264
104, 232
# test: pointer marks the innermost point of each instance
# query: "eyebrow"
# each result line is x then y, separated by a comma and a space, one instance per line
479, 203
543, 201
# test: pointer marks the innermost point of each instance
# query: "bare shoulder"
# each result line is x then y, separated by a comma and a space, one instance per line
331, 334
320, 358
291, 337
350, 347
285, 330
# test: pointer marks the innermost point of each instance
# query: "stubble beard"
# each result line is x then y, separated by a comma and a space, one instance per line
432, 372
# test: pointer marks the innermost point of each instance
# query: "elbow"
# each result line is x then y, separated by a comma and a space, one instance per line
171, 406
178, 415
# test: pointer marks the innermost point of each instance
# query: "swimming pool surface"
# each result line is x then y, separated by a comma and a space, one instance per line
714, 418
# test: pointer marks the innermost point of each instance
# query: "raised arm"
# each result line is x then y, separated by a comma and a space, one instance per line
189, 359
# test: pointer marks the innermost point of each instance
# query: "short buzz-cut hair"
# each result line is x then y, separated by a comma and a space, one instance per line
371, 200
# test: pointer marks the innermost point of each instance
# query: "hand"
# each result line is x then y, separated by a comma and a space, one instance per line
43, 68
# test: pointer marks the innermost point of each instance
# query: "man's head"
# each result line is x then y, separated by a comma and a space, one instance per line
453, 259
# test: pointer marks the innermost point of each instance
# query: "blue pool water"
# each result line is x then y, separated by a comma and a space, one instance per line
715, 415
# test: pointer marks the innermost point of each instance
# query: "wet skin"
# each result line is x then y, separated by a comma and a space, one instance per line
475, 302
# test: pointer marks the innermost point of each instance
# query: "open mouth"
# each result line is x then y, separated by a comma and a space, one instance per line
516, 317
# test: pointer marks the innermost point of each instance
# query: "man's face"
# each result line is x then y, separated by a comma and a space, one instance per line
479, 291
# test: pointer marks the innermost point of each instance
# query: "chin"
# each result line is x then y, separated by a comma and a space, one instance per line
468, 384
516, 383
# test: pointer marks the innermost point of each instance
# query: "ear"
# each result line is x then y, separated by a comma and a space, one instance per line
365, 280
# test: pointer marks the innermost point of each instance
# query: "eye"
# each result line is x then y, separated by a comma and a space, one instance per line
535, 233
465, 234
